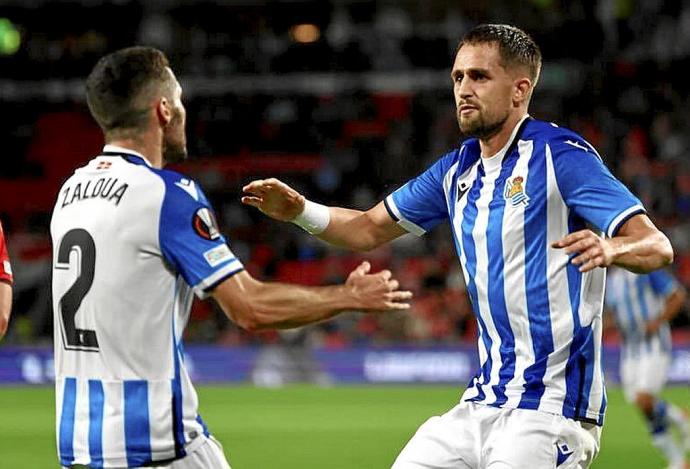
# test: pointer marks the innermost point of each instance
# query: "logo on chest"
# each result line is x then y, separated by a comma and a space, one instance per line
515, 192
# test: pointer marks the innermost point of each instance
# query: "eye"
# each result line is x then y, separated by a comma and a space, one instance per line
458, 78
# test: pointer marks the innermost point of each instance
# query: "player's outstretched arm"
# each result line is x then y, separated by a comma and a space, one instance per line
5, 307
638, 246
351, 229
256, 305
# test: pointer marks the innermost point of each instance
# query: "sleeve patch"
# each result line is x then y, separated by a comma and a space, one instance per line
218, 255
205, 224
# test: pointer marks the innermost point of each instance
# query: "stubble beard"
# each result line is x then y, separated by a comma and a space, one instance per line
478, 127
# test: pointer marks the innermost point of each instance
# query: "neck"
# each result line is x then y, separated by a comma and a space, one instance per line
149, 147
492, 145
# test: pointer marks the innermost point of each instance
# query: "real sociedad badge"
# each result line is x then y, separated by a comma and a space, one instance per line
515, 192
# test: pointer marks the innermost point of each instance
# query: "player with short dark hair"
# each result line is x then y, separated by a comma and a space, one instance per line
519, 194
6, 280
132, 244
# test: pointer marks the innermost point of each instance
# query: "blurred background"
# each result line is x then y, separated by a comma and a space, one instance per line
345, 100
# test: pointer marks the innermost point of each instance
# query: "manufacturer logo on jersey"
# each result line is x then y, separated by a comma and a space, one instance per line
463, 187
218, 255
563, 453
189, 187
515, 192
205, 224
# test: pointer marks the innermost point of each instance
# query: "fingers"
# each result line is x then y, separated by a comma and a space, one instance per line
572, 238
261, 186
252, 201
399, 295
363, 268
386, 274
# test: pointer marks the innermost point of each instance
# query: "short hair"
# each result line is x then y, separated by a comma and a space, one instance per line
515, 46
120, 82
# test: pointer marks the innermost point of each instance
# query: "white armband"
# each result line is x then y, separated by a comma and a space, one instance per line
314, 218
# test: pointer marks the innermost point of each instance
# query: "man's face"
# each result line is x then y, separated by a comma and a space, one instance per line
483, 90
174, 137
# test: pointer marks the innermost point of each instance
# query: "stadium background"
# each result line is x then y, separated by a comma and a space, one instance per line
344, 100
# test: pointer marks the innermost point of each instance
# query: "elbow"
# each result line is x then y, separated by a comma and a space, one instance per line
666, 252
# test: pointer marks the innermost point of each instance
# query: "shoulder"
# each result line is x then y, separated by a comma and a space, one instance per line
560, 141
178, 187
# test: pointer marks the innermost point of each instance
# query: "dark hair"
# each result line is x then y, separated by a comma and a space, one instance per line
514, 45
117, 87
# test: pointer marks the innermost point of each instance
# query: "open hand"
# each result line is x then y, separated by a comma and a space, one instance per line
274, 198
592, 250
377, 292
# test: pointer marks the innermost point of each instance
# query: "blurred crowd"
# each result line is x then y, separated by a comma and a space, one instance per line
344, 100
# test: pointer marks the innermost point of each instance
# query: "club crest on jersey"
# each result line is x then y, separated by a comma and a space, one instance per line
515, 192
205, 224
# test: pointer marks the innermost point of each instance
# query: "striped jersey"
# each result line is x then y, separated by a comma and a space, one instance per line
5, 266
539, 318
636, 299
131, 244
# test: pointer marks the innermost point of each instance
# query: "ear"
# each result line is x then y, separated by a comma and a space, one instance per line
164, 111
522, 90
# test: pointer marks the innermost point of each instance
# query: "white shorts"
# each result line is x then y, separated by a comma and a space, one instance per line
209, 455
644, 369
473, 436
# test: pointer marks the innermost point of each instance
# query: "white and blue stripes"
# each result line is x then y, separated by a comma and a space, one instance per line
635, 300
539, 318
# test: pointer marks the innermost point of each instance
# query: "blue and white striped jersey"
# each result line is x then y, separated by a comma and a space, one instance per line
131, 244
636, 299
539, 318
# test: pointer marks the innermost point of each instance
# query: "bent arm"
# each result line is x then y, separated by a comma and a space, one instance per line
640, 247
5, 306
673, 305
360, 231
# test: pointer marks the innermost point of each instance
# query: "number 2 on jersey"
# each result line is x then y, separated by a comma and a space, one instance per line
81, 241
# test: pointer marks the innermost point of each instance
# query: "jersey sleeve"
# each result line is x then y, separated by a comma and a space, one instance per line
662, 282
190, 239
589, 189
420, 204
5, 266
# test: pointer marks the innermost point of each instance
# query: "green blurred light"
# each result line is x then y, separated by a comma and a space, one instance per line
10, 38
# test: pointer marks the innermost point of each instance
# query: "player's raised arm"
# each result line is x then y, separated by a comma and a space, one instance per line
638, 246
256, 305
352, 229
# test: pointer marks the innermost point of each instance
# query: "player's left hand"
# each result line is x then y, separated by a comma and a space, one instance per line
593, 250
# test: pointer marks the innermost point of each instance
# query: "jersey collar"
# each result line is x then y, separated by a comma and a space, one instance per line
494, 162
114, 150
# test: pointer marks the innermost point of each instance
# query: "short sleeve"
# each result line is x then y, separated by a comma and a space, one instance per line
662, 282
190, 239
420, 204
5, 266
589, 189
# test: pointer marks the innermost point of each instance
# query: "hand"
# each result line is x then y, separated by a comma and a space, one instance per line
593, 250
378, 292
274, 198
652, 326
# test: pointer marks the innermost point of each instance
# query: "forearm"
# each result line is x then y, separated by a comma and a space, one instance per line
280, 306
642, 254
350, 229
674, 303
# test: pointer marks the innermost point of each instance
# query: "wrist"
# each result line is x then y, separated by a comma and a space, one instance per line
314, 218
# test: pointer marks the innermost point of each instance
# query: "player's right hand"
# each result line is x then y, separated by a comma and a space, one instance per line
274, 198
376, 292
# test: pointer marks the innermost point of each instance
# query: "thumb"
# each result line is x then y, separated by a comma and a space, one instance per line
363, 268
